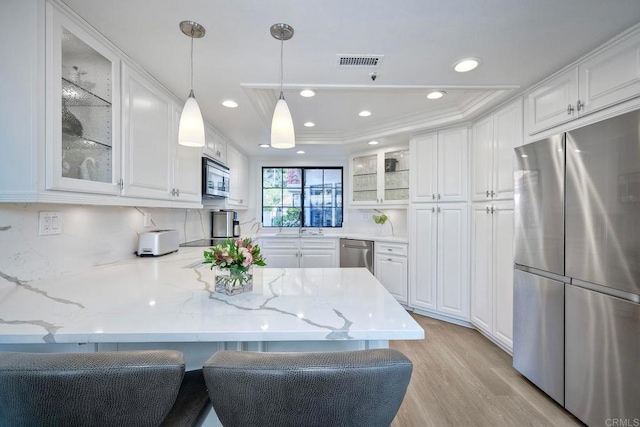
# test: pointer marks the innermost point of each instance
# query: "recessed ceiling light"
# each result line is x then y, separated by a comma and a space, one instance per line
373, 143
229, 103
264, 146
523, 155
436, 94
309, 124
364, 113
300, 152
466, 64
307, 93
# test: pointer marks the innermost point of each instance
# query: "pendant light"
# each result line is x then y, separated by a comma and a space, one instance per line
282, 134
191, 129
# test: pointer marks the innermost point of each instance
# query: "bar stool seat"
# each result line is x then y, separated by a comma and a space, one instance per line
129, 388
351, 389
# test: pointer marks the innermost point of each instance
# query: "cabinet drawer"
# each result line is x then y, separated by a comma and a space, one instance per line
278, 243
391, 249
318, 243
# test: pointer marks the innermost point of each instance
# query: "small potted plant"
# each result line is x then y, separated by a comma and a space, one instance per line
232, 262
380, 220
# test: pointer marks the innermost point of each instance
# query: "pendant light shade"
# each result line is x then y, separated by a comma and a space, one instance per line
191, 128
282, 132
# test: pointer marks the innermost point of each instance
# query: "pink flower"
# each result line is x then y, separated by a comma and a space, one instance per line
248, 259
239, 243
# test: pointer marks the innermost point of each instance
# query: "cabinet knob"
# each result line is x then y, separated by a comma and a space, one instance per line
487, 193
488, 211
438, 196
389, 249
433, 197
579, 105
389, 259
570, 109
177, 192
433, 210
438, 209
492, 194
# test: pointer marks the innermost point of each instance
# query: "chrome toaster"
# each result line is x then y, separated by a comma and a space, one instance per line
158, 242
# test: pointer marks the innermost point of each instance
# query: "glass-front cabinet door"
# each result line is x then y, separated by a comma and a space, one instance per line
83, 109
396, 176
381, 178
365, 179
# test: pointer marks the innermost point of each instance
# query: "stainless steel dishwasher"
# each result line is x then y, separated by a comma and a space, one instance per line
356, 253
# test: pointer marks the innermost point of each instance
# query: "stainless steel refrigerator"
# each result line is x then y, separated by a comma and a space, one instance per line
577, 272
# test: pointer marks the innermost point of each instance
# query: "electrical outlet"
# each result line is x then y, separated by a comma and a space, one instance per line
50, 223
147, 220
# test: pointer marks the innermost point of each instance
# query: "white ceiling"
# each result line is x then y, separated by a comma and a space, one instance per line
520, 42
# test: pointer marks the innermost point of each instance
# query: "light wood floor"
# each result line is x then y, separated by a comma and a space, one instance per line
460, 378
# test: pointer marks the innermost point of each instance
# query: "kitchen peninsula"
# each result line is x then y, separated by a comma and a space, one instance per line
170, 302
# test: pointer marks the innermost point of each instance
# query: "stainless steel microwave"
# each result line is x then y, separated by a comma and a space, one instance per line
215, 179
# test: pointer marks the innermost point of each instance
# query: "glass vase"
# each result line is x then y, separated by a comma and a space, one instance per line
233, 282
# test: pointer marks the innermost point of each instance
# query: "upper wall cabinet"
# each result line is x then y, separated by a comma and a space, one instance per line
380, 178
492, 142
83, 108
238, 178
608, 77
215, 145
439, 166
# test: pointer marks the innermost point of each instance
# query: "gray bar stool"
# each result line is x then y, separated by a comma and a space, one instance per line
129, 388
356, 388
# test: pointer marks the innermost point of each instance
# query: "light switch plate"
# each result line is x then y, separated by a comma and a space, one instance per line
50, 223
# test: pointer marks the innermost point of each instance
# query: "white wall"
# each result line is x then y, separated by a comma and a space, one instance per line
361, 222
91, 235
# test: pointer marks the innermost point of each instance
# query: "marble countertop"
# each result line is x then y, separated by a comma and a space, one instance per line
172, 299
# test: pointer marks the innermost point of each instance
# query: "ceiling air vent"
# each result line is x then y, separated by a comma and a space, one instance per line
359, 61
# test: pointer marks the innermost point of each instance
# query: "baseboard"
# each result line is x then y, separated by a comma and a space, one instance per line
444, 318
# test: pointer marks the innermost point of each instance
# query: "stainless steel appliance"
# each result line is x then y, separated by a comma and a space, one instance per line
158, 242
222, 224
215, 179
578, 272
356, 253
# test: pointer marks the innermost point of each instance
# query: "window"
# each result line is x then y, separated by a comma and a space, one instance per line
308, 196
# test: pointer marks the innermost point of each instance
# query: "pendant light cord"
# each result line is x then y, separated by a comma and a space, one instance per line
192, 32
281, 60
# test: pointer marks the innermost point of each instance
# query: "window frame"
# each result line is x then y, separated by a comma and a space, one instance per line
302, 198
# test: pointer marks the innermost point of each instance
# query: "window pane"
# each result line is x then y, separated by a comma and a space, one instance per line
313, 177
271, 217
271, 197
291, 178
290, 198
333, 176
271, 178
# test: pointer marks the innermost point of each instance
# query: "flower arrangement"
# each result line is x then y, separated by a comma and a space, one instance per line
237, 257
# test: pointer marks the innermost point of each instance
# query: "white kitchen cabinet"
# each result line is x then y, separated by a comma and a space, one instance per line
439, 166
391, 269
292, 252
492, 270
187, 172
609, 76
215, 144
155, 166
238, 178
439, 279
82, 111
148, 130
492, 156
380, 178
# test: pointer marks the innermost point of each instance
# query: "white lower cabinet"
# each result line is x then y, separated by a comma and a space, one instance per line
492, 270
285, 252
439, 246
391, 268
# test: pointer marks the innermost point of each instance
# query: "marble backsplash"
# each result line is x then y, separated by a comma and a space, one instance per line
91, 235
95, 235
